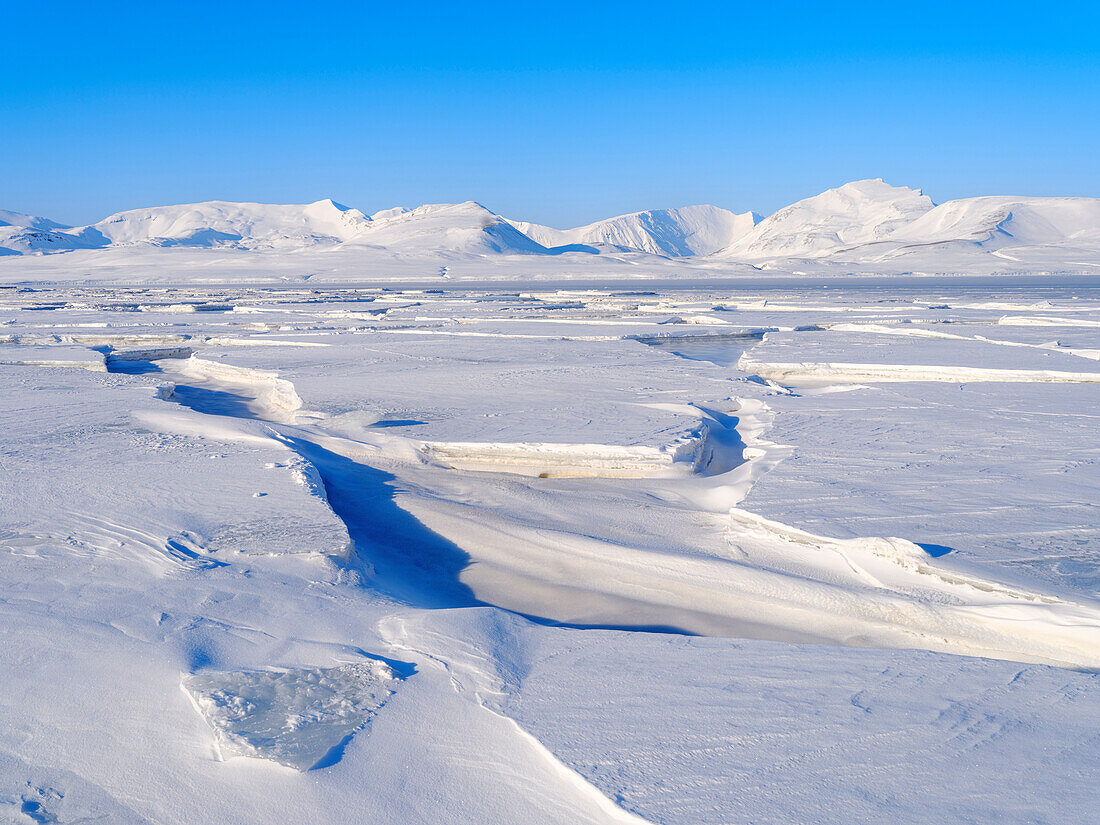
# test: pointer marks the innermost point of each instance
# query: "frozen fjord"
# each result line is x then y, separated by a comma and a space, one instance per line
244, 481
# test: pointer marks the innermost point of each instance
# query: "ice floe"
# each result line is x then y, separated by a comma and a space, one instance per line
297, 717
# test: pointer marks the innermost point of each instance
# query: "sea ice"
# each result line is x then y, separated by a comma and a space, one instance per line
300, 718
331, 474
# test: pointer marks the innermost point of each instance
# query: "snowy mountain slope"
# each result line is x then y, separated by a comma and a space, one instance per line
855, 213
220, 223
21, 233
433, 228
997, 222
446, 227
690, 230
389, 213
16, 240
29, 221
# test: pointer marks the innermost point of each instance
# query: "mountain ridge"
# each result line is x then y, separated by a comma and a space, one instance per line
682, 232
861, 222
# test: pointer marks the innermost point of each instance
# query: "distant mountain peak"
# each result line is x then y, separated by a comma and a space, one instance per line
689, 230
857, 212
29, 221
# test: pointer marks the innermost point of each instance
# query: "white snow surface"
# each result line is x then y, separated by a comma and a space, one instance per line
544, 553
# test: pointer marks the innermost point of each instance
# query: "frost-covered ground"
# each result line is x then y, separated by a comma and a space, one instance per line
703, 553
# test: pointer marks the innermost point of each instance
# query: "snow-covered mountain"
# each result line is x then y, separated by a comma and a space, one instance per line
29, 221
998, 222
864, 223
855, 213
220, 223
434, 228
21, 233
690, 230
459, 228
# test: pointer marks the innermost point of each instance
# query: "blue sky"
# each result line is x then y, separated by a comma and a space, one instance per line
560, 113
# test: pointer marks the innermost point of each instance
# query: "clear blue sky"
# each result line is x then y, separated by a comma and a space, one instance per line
561, 112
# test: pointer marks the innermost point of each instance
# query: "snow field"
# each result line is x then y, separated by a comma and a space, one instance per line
263, 521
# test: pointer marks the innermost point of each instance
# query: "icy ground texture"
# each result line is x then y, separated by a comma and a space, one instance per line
520, 500
299, 718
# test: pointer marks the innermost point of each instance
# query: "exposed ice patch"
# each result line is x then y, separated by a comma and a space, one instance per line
562, 460
710, 448
149, 354
301, 718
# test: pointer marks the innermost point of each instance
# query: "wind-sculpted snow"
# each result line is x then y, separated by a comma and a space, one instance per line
773, 583
547, 554
864, 592
213, 387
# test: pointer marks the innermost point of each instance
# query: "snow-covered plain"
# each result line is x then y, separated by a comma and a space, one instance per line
707, 551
